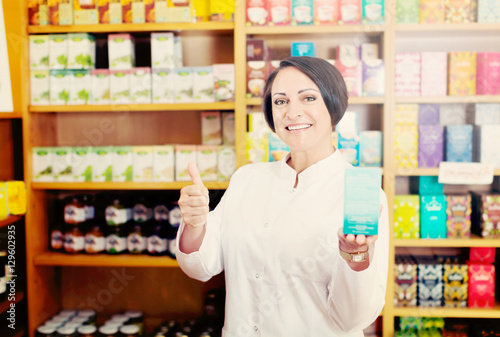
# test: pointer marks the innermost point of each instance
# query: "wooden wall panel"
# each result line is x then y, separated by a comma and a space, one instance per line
6, 151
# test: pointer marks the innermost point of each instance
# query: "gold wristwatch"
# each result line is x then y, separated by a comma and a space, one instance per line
354, 257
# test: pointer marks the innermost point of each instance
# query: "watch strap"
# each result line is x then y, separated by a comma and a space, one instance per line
354, 257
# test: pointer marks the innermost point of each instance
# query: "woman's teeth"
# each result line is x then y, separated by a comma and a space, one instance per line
298, 127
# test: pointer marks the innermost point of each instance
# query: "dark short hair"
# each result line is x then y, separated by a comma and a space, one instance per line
330, 83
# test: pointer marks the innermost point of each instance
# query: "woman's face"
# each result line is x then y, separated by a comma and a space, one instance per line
300, 116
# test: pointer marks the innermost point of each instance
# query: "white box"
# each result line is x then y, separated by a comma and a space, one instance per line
80, 87
162, 51
203, 85
434, 74
226, 162
228, 128
484, 114
163, 163
58, 51
140, 85
142, 163
348, 54
102, 163
100, 86
81, 51
122, 163
211, 128
369, 51
59, 87
121, 54
119, 86
224, 82
183, 155
40, 87
39, 52
82, 163
62, 164
163, 86
452, 114
407, 81
43, 159
206, 159
183, 88
178, 60
487, 140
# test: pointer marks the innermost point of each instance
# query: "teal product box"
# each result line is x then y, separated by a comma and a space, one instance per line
373, 12
429, 185
407, 11
303, 49
362, 200
302, 12
459, 143
370, 148
433, 217
277, 148
348, 137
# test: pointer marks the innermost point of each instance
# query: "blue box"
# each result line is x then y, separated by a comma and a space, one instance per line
277, 148
459, 143
429, 185
433, 217
370, 148
303, 49
362, 200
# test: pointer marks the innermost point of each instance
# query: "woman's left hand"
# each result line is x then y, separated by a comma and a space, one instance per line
351, 243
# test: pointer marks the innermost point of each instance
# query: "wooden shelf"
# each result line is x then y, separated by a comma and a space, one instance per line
352, 100
10, 220
10, 115
21, 333
130, 107
133, 27
448, 27
449, 312
102, 260
474, 241
177, 185
449, 99
5, 305
355, 29
433, 171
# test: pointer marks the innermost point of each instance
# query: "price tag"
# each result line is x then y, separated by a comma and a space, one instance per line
465, 173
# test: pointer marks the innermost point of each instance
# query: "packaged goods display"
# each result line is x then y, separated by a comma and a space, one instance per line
406, 217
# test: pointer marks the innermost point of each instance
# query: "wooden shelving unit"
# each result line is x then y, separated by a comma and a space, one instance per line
474, 241
8, 115
124, 260
431, 171
448, 99
10, 220
366, 29
131, 107
450, 312
213, 185
5, 305
449, 27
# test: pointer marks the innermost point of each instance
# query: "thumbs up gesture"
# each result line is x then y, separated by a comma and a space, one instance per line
194, 200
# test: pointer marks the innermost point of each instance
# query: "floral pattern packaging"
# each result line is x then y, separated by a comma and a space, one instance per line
280, 12
488, 74
459, 11
434, 74
407, 74
458, 212
405, 282
406, 146
462, 74
482, 254
431, 11
430, 145
349, 12
407, 11
257, 14
456, 285
326, 12
481, 285
488, 11
430, 282
486, 214
406, 217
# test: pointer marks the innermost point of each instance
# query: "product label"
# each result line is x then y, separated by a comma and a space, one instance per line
116, 216
157, 245
141, 213
116, 244
74, 215
161, 213
94, 244
136, 243
73, 244
89, 212
56, 239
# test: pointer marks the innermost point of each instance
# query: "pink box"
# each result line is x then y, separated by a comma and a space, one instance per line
434, 71
326, 12
488, 73
349, 12
482, 254
256, 13
280, 12
352, 78
481, 285
407, 74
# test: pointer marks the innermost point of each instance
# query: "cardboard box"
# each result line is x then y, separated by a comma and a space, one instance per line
277, 148
40, 87
162, 50
486, 140
488, 74
352, 77
433, 217
59, 87
38, 13
406, 146
409, 323
62, 164
257, 148
486, 214
484, 113
163, 86
453, 114
121, 55
369, 51
458, 144
206, 159
348, 54
431, 11
60, 12
407, 11
140, 85
81, 158
348, 137
226, 162
406, 217
257, 72
80, 87
228, 128
373, 12
178, 61
257, 124
458, 211
43, 160
373, 77
488, 11
183, 89
405, 281
370, 149
303, 49
257, 50
481, 285
407, 114
326, 12
138, 11
102, 163
456, 285
302, 12
123, 159
462, 73
482, 255
434, 76
203, 85
211, 128
256, 13
183, 155
428, 114
280, 12
100, 86
119, 85
430, 282
58, 53
407, 74
349, 12
85, 12
224, 77
142, 163
163, 163
81, 51
429, 185
430, 145
110, 11
39, 52
201, 10
458, 11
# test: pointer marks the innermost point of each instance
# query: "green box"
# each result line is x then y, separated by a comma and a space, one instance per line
406, 217
407, 11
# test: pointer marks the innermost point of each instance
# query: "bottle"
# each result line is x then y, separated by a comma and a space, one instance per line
45, 331
74, 218
130, 331
95, 241
174, 219
87, 331
142, 213
157, 239
57, 228
3, 276
117, 215
88, 202
74, 241
74, 211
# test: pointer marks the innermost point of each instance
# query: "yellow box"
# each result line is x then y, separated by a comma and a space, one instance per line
85, 12
201, 10
16, 197
431, 11
458, 11
462, 74
406, 217
406, 114
3, 200
222, 10
406, 146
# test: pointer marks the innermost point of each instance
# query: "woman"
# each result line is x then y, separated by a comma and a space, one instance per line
277, 231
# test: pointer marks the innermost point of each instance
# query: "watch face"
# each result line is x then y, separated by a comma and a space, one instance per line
358, 258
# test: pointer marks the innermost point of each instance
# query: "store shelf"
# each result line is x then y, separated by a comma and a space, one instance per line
101, 260
356, 29
474, 241
177, 185
449, 99
10, 115
426, 172
352, 100
5, 305
449, 27
133, 27
10, 220
21, 333
449, 312
131, 107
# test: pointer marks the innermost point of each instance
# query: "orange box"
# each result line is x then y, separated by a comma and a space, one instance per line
60, 12
127, 11
110, 11
85, 12
462, 74
38, 13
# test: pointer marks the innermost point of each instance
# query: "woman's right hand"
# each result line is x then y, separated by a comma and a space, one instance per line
194, 200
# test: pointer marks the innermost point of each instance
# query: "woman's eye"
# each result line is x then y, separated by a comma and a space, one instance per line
279, 102
310, 98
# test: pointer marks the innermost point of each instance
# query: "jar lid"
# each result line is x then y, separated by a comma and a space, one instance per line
129, 329
59, 319
79, 319
133, 314
67, 313
108, 330
53, 324
116, 325
45, 329
66, 330
118, 318
86, 312
72, 325
87, 329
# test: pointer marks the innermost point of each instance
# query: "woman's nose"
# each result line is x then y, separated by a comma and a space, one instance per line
294, 110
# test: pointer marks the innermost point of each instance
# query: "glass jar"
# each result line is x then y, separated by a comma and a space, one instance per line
137, 242
130, 331
87, 331
95, 241
74, 241
116, 240
89, 314
175, 218
45, 331
108, 331
74, 211
117, 213
157, 243
56, 236
142, 211
88, 202
66, 332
